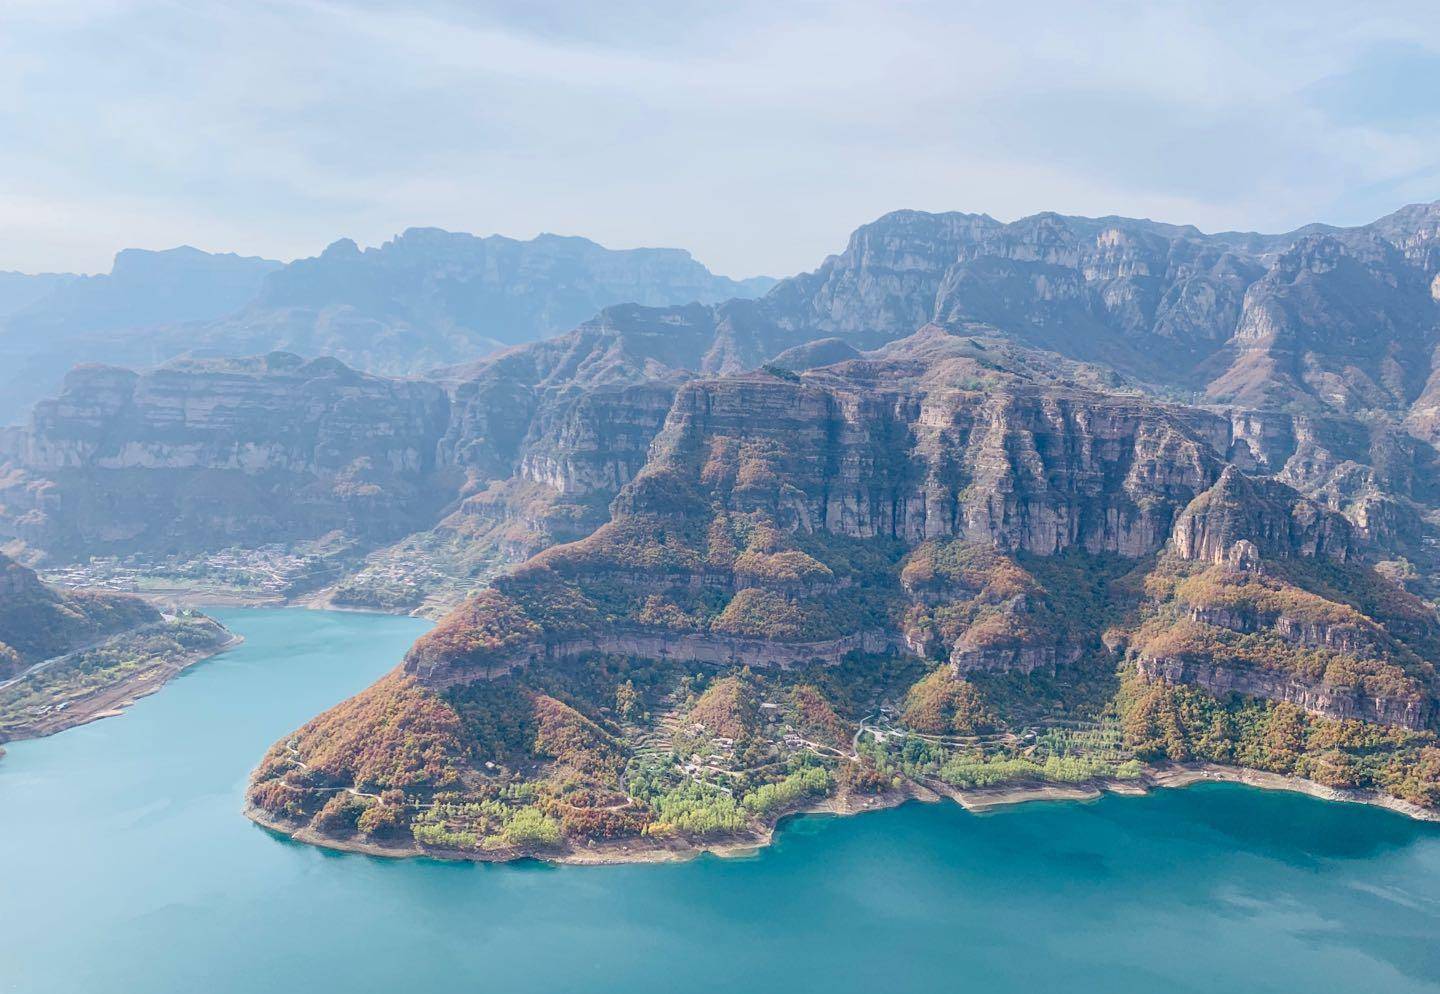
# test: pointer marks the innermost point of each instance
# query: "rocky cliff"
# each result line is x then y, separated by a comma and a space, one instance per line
756, 482
1325, 635
208, 453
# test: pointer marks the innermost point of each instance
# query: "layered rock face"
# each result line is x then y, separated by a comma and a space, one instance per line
1271, 518
1025, 468
1407, 709
205, 453
1332, 639
549, 478
276, 412
756, 484
498, 458
535, 442
544, 436
1339, 322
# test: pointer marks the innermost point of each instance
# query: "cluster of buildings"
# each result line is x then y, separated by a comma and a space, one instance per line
267, 570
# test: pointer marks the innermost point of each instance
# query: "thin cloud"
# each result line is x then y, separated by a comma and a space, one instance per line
755, 135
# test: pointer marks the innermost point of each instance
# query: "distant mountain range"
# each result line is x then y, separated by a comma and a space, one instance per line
426, 298
19, 290
1325, 336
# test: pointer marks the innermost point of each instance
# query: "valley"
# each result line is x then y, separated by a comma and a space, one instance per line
802, 497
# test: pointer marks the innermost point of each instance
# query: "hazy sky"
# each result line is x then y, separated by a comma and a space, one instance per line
757, 135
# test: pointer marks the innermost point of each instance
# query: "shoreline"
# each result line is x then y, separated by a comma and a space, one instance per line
607, 853
1177, 775
978, 801
1185, 775
163, 597
110, 701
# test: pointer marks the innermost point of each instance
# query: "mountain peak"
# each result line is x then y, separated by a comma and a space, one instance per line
341, 248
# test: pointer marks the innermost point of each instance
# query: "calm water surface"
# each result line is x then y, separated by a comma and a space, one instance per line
125, 866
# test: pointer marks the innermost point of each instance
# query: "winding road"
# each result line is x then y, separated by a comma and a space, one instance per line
45, 663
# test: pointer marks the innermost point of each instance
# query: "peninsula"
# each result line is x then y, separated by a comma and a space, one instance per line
974, 509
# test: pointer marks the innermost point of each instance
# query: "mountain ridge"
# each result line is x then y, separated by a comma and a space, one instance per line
973, 503
426, 297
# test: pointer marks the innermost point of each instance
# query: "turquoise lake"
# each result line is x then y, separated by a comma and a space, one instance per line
126, 866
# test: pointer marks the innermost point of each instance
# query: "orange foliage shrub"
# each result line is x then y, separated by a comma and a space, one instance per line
728, 708
394, 734
763, 614
603, 823
570, 738
818, 718
941, 704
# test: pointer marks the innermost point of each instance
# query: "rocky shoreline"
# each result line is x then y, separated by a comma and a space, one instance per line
977, 801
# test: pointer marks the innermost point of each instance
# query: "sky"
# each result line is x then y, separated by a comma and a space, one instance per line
756, 135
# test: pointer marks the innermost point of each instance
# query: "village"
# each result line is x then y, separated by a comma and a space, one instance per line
269, 572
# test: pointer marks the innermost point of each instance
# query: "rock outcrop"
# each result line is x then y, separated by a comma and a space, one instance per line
1269, 516
1331, 637
1413, 711
1342, 322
